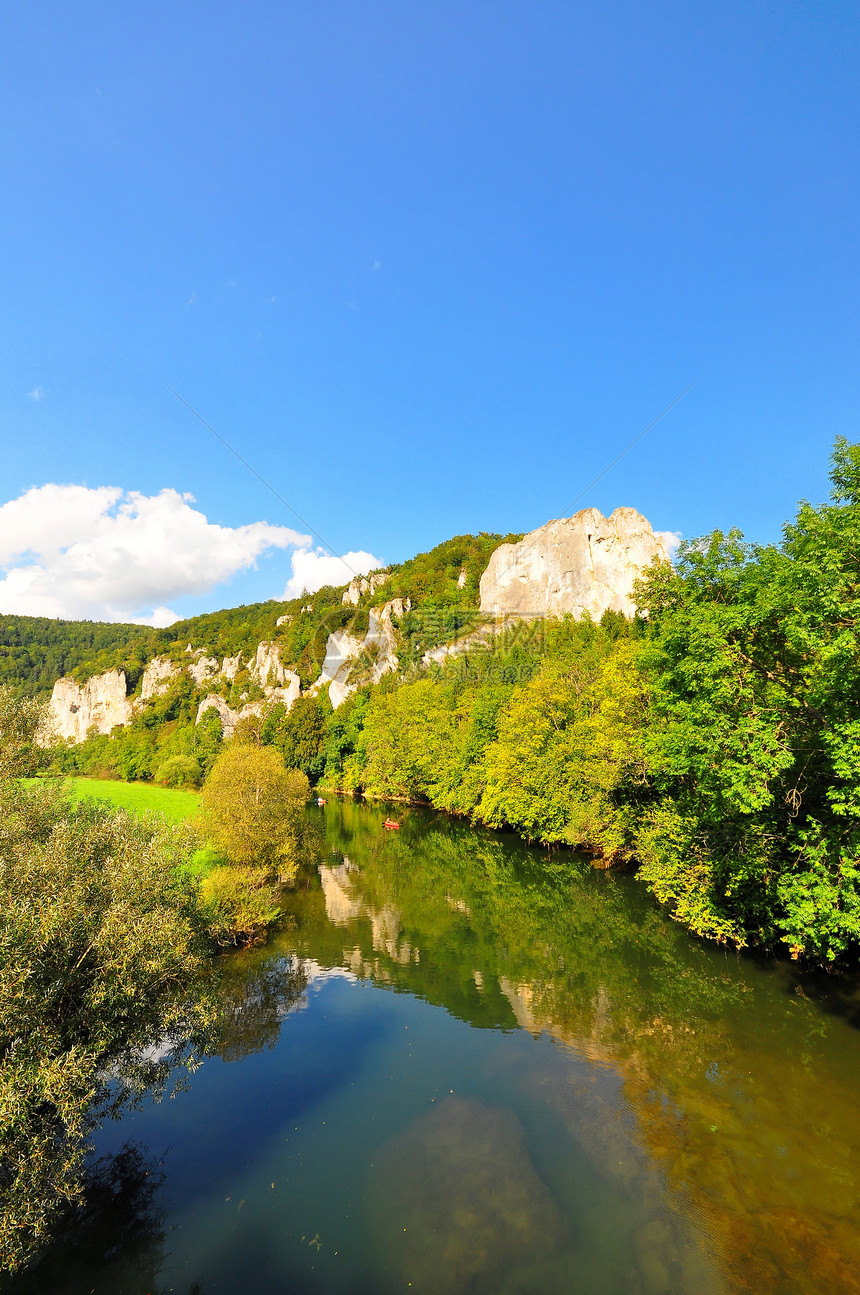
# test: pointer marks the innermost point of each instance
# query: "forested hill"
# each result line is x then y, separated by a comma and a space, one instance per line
35, 650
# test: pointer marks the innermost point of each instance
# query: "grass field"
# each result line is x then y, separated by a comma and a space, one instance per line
138, 797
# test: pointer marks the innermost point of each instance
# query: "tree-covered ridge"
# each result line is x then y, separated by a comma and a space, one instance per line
715, 744
36, 651
448, 575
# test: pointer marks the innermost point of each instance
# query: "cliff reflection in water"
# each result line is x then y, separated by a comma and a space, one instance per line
735, 1113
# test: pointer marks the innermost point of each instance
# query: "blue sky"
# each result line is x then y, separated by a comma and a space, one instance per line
428, 267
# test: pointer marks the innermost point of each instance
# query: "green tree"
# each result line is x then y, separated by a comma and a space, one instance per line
567, 743
300, 733
179, 771
754, 656
254, 808
100, 943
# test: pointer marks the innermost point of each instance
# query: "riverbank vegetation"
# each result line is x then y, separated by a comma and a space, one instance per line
712, 741
716, 744
108, 922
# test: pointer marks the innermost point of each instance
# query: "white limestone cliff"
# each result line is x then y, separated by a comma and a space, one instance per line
229, 718
363, 585
587, 563
266, 668
202, 667
344, 651
99, 705
157, 677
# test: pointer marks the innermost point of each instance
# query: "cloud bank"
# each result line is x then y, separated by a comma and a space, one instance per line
313, 568
109, 554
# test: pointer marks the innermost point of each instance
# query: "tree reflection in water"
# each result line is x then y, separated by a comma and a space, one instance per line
255, 993
739, 1076
119, 1229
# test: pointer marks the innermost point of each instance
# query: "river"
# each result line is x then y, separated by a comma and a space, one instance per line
470, 1065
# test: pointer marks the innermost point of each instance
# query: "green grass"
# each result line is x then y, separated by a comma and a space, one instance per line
138, 797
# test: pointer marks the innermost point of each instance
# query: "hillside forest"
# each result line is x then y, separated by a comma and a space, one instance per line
712, 742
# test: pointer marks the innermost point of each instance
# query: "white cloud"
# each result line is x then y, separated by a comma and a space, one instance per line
313, 568
110, 554
36, 394
671, 539
160, 618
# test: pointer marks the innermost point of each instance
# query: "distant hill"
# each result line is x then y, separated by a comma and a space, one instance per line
35, 651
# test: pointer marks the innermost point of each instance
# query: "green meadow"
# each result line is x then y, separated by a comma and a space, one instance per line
138, 797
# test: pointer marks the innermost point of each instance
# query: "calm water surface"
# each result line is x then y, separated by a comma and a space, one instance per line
472, 1066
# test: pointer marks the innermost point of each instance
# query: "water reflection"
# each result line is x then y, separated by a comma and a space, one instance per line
511, 1073
739, 1078
255, 993
114, 1242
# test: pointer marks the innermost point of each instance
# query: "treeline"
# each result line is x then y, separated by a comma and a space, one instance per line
714, 742
35, 651
718, 749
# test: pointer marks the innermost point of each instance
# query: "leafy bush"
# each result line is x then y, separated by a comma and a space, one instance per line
179, 771
254, 808
238, 904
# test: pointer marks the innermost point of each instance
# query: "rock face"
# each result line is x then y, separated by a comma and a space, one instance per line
202, 667
344, 650
100, 704
363, 585
229, 718
157, 677
585, 563
265, 668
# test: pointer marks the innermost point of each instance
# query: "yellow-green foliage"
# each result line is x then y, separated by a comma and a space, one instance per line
547, 757
238, 904
99, 945
566, 743
254, 808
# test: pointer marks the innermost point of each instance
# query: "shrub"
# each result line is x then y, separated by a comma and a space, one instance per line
179, 771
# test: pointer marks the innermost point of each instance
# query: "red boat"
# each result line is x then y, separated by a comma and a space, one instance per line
390, 823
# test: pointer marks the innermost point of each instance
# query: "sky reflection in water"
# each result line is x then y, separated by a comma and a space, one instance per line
562, 1092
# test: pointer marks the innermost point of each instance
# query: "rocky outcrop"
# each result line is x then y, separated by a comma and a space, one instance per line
99, 705
342, 668
262, 668
363, 585
203, 668
265, 667
474, 641
382, 638
229, 718
157, 677
587, 563
342, 650
231, 666
286, 694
